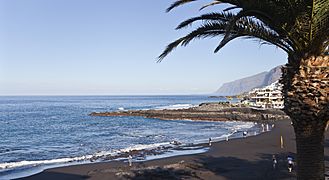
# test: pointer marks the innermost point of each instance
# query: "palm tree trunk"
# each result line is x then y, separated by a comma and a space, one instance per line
310, 152
305, 90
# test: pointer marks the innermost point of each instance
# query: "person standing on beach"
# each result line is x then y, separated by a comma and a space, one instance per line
210, 141
274, 161
290, 163
130, 160
245, 134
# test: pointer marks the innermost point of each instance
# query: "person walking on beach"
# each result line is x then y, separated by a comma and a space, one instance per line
130, 160
274, 161
245, 134
290, 163
210, 141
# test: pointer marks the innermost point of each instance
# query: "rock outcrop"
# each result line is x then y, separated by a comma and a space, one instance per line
205, 111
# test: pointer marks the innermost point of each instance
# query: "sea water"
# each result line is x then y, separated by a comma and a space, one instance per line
39, 132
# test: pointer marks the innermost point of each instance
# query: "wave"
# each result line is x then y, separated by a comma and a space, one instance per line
11, 165
145, 147
175, 106
113, 153
148, 151
96, 156
246, 125
121, 108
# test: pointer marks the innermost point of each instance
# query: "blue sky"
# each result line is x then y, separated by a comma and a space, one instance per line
103, 47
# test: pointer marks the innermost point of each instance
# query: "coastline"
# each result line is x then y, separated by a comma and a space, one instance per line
243, 158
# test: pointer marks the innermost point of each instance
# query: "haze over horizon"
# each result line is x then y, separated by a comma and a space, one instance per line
83, 47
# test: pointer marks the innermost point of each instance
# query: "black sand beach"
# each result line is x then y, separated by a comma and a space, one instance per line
245, 158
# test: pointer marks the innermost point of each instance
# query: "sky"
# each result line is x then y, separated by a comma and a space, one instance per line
105, 47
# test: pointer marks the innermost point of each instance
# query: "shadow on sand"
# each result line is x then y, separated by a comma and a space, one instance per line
55, 176
208, 167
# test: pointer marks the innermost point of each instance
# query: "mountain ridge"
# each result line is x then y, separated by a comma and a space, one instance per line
248, 83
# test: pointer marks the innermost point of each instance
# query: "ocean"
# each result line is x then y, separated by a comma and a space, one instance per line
39, 132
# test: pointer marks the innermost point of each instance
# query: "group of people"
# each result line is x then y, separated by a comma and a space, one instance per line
289, 161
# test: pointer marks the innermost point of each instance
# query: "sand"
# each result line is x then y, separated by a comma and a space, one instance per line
245, 158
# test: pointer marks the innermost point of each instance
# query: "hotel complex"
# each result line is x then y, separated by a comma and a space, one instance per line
267, 97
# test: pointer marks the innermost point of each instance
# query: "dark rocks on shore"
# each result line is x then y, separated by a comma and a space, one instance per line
205, 111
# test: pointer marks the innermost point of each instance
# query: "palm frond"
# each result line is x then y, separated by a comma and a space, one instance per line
247, 27
178, 3
170, 47
231, 8
319, 27
320, 16
241, 14
206, 17
216, 2
210, 4
298, 27
226, 40
210, 29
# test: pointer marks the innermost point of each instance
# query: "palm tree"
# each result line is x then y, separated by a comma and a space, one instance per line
301, 29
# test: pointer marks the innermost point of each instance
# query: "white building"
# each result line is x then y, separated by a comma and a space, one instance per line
267, 97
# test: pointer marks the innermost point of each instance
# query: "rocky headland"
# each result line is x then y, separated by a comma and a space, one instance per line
246, 84
206, 111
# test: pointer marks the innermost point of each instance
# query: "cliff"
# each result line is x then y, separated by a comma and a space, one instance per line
246, 84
